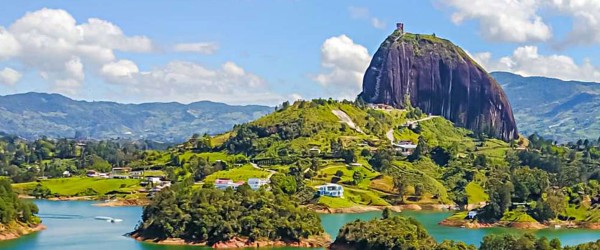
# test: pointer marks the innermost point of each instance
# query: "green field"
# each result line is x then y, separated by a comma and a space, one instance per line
331, 202
475, 193
73, 186
237, 174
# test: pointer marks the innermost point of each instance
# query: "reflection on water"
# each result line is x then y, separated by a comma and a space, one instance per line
72, 225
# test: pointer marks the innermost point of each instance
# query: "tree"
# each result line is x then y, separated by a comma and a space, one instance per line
386, 213
401, 186
348, 155
421, 151
357, 177
339, 173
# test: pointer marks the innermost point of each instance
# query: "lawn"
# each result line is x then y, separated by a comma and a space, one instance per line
517, 216
458, 216
475, 193
237, 174
364, 197
327, 172
74, 185
331, 202
211, 156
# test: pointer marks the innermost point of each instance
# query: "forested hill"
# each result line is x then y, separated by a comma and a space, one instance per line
31, 115
561, 110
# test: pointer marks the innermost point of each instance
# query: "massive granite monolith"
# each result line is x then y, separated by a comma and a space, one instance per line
440, 79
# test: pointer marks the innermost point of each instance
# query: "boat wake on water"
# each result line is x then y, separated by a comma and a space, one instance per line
60, 216
108, 219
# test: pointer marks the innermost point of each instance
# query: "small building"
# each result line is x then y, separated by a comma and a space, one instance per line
154, 180
256, 183
404, 147
331, 190
137, 174
119, 171
103, 175
227, 183
119, 176
400, 27
472, 214
314, 151
66, 174
91, 173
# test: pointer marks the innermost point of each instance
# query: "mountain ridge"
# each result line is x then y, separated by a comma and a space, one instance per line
554, 108
34, 114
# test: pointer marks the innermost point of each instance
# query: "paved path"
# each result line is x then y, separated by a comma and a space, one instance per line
271, 172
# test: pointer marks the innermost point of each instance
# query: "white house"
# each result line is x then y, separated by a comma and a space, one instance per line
154, 180
405, 147
227, 183
66, 174
331, 190
472, 214
256, 183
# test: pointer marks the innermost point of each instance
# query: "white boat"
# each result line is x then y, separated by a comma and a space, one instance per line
108, 219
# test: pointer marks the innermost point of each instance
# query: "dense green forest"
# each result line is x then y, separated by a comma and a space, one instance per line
13, 209
396, 232
210, 215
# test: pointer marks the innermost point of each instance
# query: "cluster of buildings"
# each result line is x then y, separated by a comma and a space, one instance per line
254, 183
157, 184
117, 173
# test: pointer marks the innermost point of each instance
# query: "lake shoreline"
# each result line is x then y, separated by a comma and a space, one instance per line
521, 225
319, 241
20, 231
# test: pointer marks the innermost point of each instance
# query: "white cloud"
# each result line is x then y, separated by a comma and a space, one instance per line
527, 61
343, 65
377, 23
586, 23
51, 42
9, 76
120, 71
503, 20
9, 46
202, 48
362, 13
186, 82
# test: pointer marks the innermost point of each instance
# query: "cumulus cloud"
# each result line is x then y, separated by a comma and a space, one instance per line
9, 46
527, 61
202, 48
503, 20
186, 82
9, 76
51, 42
363, 13
586, 23
120, 71
343, 64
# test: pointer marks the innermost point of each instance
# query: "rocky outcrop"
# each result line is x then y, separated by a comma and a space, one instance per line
441, 79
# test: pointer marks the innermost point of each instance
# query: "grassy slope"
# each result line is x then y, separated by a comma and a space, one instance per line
74, 185
237, 174
475, 193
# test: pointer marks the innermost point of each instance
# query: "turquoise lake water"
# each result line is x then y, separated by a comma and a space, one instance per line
71, 226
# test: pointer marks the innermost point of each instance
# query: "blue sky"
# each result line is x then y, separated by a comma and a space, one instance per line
268, 51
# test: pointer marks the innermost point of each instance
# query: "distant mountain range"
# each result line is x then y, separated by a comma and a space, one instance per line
562, 110
31, 115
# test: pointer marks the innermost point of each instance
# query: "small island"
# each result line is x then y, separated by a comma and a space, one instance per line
401, 233
187, 215
17, 217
